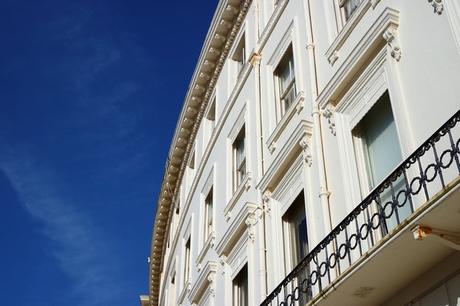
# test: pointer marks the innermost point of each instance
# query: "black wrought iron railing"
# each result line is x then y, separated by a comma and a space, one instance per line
415, 181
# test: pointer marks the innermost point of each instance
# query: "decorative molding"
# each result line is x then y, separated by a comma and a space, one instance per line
210, 241
390, 36
267, 196
234, 230
438, 6
290, 148
205, 280
185, 291
332, 53
223, 263
333, 57
270, 26
329, 115
296, 107
247, 183
363, 49
252, 220
374, 3
244, 186
306, 150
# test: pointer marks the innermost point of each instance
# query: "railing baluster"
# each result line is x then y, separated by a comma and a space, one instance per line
408, 191
394, 203
455, 152
438, 164
369, 222
358, 237
337, 259
347, 244
422, 178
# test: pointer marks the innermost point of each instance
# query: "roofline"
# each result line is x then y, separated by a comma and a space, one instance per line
224, 26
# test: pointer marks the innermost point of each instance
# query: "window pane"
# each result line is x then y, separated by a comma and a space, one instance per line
382, 155
286, 80
382, 148
297, 248
297, 225
240, 288
350, 6
239, 157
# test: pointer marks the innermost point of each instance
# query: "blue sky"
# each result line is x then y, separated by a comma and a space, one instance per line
90, 92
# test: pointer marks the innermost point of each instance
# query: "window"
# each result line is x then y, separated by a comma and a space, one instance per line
349, 7
187, 262
239, 158
190, 170
285, 79
210, 122
191, 162
177, 208
296, 231
296, 240
208, 214
240, 288
239, 56
211, 115
378, 151
172, 288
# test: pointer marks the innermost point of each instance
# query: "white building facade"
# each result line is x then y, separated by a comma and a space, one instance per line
316, 159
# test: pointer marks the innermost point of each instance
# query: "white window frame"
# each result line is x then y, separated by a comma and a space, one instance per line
289, 40
239, 169
236, 289
343, 12
187, 261
238, 65
377, 78
292, 86
296, 179
231, 162
287, 235
208, 189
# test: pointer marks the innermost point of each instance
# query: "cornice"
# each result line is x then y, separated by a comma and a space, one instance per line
291, 148
380, 33
234, 230
224, 26
205, 280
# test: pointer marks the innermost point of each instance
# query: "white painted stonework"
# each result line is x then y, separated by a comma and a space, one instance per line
297, 142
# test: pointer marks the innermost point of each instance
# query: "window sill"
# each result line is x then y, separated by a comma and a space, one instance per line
332, 54
244, 186
205, 284
185, 291
204, 250
295, 108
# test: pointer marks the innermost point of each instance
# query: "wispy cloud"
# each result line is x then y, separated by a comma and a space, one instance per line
76, 242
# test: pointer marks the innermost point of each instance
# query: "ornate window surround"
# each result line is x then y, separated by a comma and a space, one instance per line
277, 120
346, 27
234, 194
377, 78
206, 243
185, 288
233, 69
204, 287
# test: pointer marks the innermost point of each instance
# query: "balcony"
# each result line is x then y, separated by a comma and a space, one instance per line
387, 234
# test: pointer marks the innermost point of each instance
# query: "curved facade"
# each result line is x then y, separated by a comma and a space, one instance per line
315, 158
